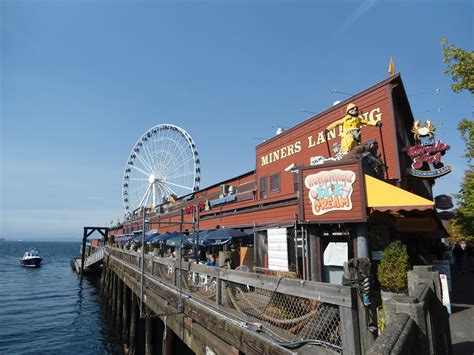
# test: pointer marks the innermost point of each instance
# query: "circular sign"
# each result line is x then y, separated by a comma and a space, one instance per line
446, 215
444, 202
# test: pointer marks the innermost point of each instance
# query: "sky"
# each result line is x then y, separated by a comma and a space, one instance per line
82, 80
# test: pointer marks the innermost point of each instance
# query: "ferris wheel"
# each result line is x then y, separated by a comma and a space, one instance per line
163, 164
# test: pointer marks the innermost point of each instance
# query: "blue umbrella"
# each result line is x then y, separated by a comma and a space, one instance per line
202, 236
161, 238
223, 236
176, 241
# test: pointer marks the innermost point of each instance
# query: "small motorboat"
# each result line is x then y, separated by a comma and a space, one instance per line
31, 259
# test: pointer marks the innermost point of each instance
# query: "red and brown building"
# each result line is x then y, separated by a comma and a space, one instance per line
310, 212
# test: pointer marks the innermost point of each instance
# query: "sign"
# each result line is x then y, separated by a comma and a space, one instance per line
446, 215
444, 202
330, 190
426, 154
224, 200
444, 268
335, 254
314, 139
190, 208
444, 291
277, 249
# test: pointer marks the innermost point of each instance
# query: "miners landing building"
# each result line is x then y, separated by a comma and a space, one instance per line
311, 214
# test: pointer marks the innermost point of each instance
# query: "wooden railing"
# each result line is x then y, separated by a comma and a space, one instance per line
290, 312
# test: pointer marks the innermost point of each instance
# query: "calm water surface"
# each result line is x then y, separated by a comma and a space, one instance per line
47, 310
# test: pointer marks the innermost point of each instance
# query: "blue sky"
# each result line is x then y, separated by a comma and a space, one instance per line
82, 80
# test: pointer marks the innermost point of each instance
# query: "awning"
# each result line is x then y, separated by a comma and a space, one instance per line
382, 196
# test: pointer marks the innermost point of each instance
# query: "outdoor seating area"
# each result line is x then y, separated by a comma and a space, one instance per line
223, 244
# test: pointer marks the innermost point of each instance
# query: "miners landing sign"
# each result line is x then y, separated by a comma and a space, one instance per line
330, 190
426, 154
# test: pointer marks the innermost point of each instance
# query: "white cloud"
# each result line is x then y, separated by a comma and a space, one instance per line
358, 13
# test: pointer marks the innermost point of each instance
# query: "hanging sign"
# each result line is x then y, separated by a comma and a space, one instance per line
426, 154
444, 202
330, 190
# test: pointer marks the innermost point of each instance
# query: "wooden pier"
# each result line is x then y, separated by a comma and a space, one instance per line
223, 311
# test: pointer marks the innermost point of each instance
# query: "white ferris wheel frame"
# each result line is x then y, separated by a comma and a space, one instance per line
156, 183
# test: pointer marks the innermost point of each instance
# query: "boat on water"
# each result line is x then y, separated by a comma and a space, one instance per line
31, 259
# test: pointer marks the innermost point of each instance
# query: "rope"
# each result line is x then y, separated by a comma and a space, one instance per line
267, 317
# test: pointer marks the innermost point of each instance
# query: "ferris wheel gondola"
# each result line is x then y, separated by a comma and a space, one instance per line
162, 165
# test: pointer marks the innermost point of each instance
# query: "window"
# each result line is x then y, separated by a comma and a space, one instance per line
275, 183
263, 188
296, 181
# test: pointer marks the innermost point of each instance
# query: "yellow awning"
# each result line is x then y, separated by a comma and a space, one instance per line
382, 196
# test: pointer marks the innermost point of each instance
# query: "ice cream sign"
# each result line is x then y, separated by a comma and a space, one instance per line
330, 190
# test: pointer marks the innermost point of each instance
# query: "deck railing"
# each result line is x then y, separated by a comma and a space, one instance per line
292, 312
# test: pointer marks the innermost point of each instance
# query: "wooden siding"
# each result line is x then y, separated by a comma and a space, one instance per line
375, 103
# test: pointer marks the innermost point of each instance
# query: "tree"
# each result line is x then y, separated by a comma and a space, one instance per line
460, 66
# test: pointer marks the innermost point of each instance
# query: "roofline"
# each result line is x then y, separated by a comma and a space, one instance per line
341, 104
228, 180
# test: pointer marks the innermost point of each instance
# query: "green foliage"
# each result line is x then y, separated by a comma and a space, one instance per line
464, 219
393, 268
111, 240
460, 66
136, 246
466, 127
461, 69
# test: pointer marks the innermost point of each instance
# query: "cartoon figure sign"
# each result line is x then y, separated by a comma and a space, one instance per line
330, 190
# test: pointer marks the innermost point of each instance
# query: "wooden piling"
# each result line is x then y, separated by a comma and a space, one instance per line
125, 313
102, 278
168, 338
114, 295
119, 291
148, 336
133, 324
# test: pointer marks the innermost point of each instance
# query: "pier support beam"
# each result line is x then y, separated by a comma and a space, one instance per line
119, 292
114, 295
168, 339
125, 312
148, 336
133, 324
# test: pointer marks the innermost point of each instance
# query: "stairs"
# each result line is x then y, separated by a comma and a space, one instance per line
94, 259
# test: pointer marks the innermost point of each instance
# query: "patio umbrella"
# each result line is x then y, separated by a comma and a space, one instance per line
202, 236
176, 241
223, 236
161, 238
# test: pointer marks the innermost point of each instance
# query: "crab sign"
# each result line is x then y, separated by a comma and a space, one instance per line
423, 130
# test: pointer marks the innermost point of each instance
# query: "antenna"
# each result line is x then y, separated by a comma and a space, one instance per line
433, 110
435, 91
341, 92
302, 110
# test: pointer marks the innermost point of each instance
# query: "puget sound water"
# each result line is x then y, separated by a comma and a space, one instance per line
46, 310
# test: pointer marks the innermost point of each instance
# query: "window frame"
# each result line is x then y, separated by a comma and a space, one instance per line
274, 190
263, 193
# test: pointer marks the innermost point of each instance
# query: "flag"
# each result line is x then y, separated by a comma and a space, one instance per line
391, 67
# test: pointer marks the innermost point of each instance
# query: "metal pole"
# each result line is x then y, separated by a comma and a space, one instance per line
197, 235
362, 241
179, 260
295, 236
83, 254
303, 251
143, 263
